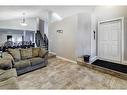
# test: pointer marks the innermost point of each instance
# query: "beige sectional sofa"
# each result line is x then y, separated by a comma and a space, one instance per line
8, 79
8, 75
19, 61
25, 60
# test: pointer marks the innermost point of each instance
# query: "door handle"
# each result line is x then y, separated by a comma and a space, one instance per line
94, 34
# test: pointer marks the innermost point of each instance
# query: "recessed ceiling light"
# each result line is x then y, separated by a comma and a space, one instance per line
58, 17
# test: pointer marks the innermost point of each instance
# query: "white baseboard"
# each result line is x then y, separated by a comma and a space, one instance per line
52, 53
93, 59
66, 59
125, 62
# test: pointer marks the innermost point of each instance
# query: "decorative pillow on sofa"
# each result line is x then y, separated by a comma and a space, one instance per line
26, 53
42, 52
15, 54
7, 56
5, 64
35, 52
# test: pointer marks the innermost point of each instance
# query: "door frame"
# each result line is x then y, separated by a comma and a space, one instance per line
121, 39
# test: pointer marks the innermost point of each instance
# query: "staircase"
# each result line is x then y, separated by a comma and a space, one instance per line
41, 41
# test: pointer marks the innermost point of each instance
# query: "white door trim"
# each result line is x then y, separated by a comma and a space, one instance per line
122, 35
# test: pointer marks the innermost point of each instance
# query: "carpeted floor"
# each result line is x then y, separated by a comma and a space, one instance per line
60, 74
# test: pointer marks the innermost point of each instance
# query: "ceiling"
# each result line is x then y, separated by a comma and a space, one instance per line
15, 12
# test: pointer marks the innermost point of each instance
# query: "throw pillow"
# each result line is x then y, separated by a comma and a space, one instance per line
15, 54
35, 52
26, 53
42, 52
5, 64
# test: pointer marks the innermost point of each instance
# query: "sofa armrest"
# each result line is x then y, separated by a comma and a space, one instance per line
6, 74
45, 55
46, 58
10, 83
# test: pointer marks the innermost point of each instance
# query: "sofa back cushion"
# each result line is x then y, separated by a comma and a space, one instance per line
42, 52
26, 53
15, 54
35, 52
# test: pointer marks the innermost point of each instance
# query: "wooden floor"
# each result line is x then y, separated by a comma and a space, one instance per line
60, 74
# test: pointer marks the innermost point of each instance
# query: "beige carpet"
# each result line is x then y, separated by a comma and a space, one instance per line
60, 74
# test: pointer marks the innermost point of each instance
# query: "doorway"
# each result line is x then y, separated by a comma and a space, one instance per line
110, 40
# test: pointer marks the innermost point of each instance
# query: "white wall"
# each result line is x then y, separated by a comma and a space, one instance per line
76, 37
93, 41
87, 23
46, 27
41, 26
15, 24
63, 44
83, 34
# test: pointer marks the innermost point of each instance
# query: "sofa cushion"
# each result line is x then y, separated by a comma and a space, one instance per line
36, 60
5, 64
35, 52
2, 71
26, 53
22, 64
15, 54
10, 83
42, 52
6, 74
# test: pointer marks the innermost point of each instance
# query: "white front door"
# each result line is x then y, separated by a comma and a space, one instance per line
109, 40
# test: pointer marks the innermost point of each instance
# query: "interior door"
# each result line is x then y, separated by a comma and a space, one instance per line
109, 40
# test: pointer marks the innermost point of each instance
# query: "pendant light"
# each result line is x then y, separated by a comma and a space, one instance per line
23, 22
